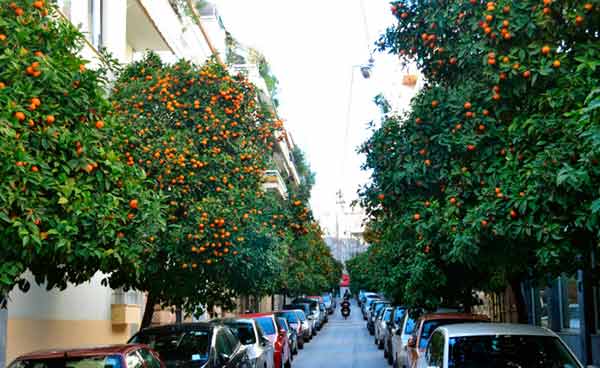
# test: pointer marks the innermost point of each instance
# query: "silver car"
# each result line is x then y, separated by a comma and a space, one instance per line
496, 345
259, 347
381, 326
400, 340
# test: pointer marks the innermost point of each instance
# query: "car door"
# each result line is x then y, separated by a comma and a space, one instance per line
266, 348
434, 355
239, 356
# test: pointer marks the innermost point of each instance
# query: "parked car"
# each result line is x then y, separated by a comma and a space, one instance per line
291, 334
117, 356
313, 314
401, 337
383, 318
200, 344
259, 347
278, 337
367, 304
323, 314
293, 319
329, 303
374, 309
307, 322
309, 313
496, 345
395, 324
427, 323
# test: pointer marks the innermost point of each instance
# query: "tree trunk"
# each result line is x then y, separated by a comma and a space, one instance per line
148, 311
522, 315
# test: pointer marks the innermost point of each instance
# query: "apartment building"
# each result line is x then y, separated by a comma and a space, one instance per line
91, 313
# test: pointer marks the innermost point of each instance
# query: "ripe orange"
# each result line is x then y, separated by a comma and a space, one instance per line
20, 116
19, 12
50, 119
546, 50
2, 37
133, 204
526, 74
556, 63
2, 85
588, 6
434, 103
35, 169
416, 216
578, 20
38, 4
381, 197
467, 105
99, 124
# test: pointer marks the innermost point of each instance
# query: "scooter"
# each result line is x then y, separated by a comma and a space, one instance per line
346, 312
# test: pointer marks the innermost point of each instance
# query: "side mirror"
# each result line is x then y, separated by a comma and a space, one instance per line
223, 358
264, 341
412, 342
399, 332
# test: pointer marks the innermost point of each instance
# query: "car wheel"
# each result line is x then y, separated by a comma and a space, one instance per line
390, 359
288, 364
380, 345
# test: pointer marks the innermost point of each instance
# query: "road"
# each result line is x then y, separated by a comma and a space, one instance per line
342, 343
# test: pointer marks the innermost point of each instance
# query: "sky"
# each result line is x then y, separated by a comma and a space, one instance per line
312, 46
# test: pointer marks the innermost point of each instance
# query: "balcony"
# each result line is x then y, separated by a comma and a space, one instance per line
273, 181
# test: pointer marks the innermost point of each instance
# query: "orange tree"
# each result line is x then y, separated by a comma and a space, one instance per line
311, 268
65, 194
491, 178
205, 141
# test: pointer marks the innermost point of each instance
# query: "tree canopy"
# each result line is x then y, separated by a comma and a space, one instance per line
491, 177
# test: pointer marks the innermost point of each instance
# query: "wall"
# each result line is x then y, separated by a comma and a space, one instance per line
78, 316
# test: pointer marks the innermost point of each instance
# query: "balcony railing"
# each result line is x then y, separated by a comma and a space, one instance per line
273, 181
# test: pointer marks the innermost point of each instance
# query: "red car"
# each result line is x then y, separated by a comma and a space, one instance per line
279, 339
116, 356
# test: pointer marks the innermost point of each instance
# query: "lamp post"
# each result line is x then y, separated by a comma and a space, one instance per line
365, 70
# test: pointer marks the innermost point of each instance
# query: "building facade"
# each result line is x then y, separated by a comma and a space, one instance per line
91, 313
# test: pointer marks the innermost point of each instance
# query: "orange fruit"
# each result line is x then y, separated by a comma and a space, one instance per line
38, 4
20, 116
50, 119
133, 204
546, 49
467, 105
2, 37
99, 124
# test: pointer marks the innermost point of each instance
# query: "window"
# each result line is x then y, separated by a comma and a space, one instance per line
399, 315
569, 305
544, 306
435, 350
133, 360
223, 344
409, 328
232, 340
111, 361
149, 359
502, 351
177, 345
244, 331
267, 325
386, 315
95, 9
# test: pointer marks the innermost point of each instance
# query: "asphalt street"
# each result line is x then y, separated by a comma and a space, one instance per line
342, 343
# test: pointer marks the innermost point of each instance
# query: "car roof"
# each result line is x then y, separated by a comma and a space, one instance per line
256, 315
451, 316
81, 352
493, 329
188, 326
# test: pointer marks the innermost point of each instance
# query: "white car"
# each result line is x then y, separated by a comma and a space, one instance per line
381, 326
496, 345
259, 347
400, 340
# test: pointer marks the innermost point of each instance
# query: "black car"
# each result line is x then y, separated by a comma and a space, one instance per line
195, 345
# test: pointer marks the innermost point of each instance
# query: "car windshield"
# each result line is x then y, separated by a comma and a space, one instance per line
301, 316
103, 361
177, 346
386, 315
266, 323
291, 317
399, 314
326, 298
281, 324
509, 351
431, 325
410, 326
379, 307
244, 331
